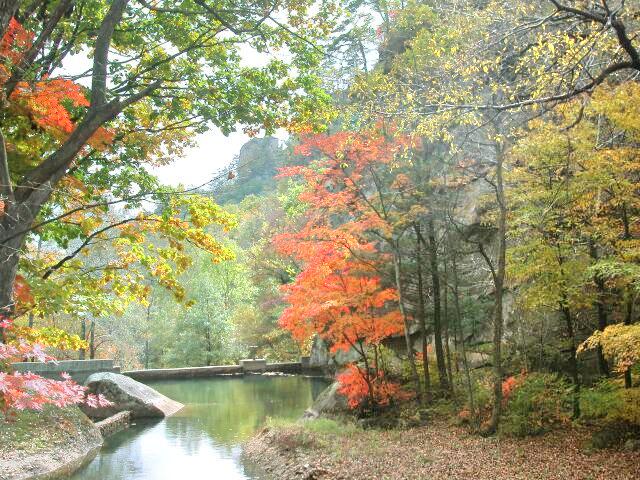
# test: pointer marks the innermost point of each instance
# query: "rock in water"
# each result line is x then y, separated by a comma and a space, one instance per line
127, 394
329, 401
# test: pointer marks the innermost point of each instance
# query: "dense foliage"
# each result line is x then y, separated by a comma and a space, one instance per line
457, 220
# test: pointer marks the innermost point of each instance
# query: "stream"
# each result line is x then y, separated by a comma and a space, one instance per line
203, 439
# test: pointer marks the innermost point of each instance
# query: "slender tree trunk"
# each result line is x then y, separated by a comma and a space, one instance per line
367, 374
146, 334
437, 321
573, 360
445, 304
600, 310
422, 316
92, 339
208, 345
407, 334
83, 335
465, 362
498, 281
628, 320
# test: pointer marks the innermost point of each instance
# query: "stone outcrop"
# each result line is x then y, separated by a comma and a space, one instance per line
330, 401
127, 394
72, 441
319, 356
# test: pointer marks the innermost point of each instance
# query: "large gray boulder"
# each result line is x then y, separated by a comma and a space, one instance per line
128, 394
330, 401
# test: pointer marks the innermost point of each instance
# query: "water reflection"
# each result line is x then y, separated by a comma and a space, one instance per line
202, 440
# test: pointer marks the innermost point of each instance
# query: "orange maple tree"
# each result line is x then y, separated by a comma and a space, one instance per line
49, 102
340, 294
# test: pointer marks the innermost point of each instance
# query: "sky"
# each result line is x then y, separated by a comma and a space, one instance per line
213, 151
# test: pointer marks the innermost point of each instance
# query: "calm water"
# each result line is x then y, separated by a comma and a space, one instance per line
202, 441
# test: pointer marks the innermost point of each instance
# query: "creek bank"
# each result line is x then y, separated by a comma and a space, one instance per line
325, 449
56, 442
46, 445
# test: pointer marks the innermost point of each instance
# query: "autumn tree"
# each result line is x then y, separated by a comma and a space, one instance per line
154, 77
575, 191
342, 300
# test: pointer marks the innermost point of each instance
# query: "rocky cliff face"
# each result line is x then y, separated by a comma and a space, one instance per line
254, 169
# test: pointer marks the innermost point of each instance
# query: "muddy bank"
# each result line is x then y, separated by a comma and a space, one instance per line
46, 445
434, 452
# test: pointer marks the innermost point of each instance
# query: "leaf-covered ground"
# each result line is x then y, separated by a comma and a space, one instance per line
437, 451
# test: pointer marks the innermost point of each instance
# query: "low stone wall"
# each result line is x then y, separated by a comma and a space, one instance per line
186, 372
246, 366
294, 368
253, 365
78, 369
114, 424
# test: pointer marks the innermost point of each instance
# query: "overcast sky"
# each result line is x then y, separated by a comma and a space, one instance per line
213, 152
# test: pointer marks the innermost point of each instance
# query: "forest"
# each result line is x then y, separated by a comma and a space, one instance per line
443, 195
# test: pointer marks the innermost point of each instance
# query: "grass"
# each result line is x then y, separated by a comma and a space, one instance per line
322, 433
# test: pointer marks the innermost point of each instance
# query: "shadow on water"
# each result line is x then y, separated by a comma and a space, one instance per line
203, 439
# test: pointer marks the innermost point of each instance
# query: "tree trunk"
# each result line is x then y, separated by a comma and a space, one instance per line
422, 316
92, 339
407, 334
628, 320
600, 310
445, 304
573, 361
437, 323
8, 268
83, 334
208, 345
8, 9
465, 363
498, 281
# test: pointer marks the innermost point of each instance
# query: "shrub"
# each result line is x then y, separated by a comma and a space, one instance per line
353, 384
599, 401
614, 434
615, 410
610, 402
538, 404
